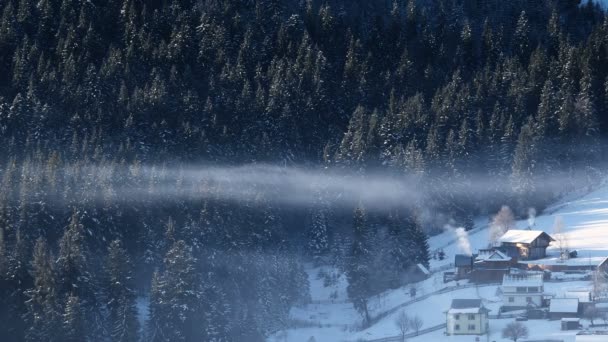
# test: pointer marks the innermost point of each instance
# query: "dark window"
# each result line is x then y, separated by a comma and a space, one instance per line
471, 317
456, 316
457, 327
471, 326
521, 290
511, 299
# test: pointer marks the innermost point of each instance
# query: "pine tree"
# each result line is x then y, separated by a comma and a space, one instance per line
175, 298
73, 321
76, 281
43, 309
122, 314
358, 272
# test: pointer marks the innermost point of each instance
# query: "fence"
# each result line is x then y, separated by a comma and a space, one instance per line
423, 297
412, 334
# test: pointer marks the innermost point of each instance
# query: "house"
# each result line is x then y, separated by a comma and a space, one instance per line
490, 265
592, 336
563, 308
525, 244
571, 323
523, 290
464, 265
467, 317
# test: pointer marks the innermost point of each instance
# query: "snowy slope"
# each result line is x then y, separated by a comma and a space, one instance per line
603, 3
585, 226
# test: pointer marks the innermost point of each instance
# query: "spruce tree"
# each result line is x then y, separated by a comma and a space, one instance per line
358, 272
43, 305
122, 314
74, 326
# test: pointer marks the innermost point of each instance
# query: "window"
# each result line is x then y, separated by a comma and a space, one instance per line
471, 326
457, 327
471, 317
521, 290
511, 299
532, 289
456, 316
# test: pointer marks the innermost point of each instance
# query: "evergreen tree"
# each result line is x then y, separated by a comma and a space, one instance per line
176, 298
122, 314
73, 323
43, 310
358, 272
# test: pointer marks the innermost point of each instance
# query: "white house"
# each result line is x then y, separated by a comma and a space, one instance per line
522, 290
467, 317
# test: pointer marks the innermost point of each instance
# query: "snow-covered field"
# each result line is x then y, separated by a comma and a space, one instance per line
585, 227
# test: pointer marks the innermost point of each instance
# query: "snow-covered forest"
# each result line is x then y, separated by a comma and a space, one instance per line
168, 168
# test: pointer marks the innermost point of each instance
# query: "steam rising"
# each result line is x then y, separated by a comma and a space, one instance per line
462, 237
531, 218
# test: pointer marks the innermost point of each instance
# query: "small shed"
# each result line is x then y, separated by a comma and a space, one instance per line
415, 274
571, 323
464, 265
563, 308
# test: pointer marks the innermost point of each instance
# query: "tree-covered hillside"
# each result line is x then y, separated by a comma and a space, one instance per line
479, 103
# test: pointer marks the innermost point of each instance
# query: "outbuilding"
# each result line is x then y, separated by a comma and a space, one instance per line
563, 308
571, 323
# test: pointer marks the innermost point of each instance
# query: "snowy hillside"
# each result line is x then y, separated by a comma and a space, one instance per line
585, 228
603, 3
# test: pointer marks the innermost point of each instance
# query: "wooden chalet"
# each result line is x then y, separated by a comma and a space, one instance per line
525, 244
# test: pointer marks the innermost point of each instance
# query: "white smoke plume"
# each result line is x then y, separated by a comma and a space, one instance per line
531, 218
462, 238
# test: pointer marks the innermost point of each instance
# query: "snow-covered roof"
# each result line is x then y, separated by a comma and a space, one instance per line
492, 255
522, 280
564, 305
590, 261
423, 269
466, 306
582, 296
571, 319
522, 236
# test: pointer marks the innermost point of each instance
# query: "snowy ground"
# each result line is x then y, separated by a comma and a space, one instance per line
585, 227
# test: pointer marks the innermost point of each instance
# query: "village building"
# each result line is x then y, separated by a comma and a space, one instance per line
563, 308
525, 244
584, 297
523, 291
490, 265
467, 317
578, 264
464, 265
571, 323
